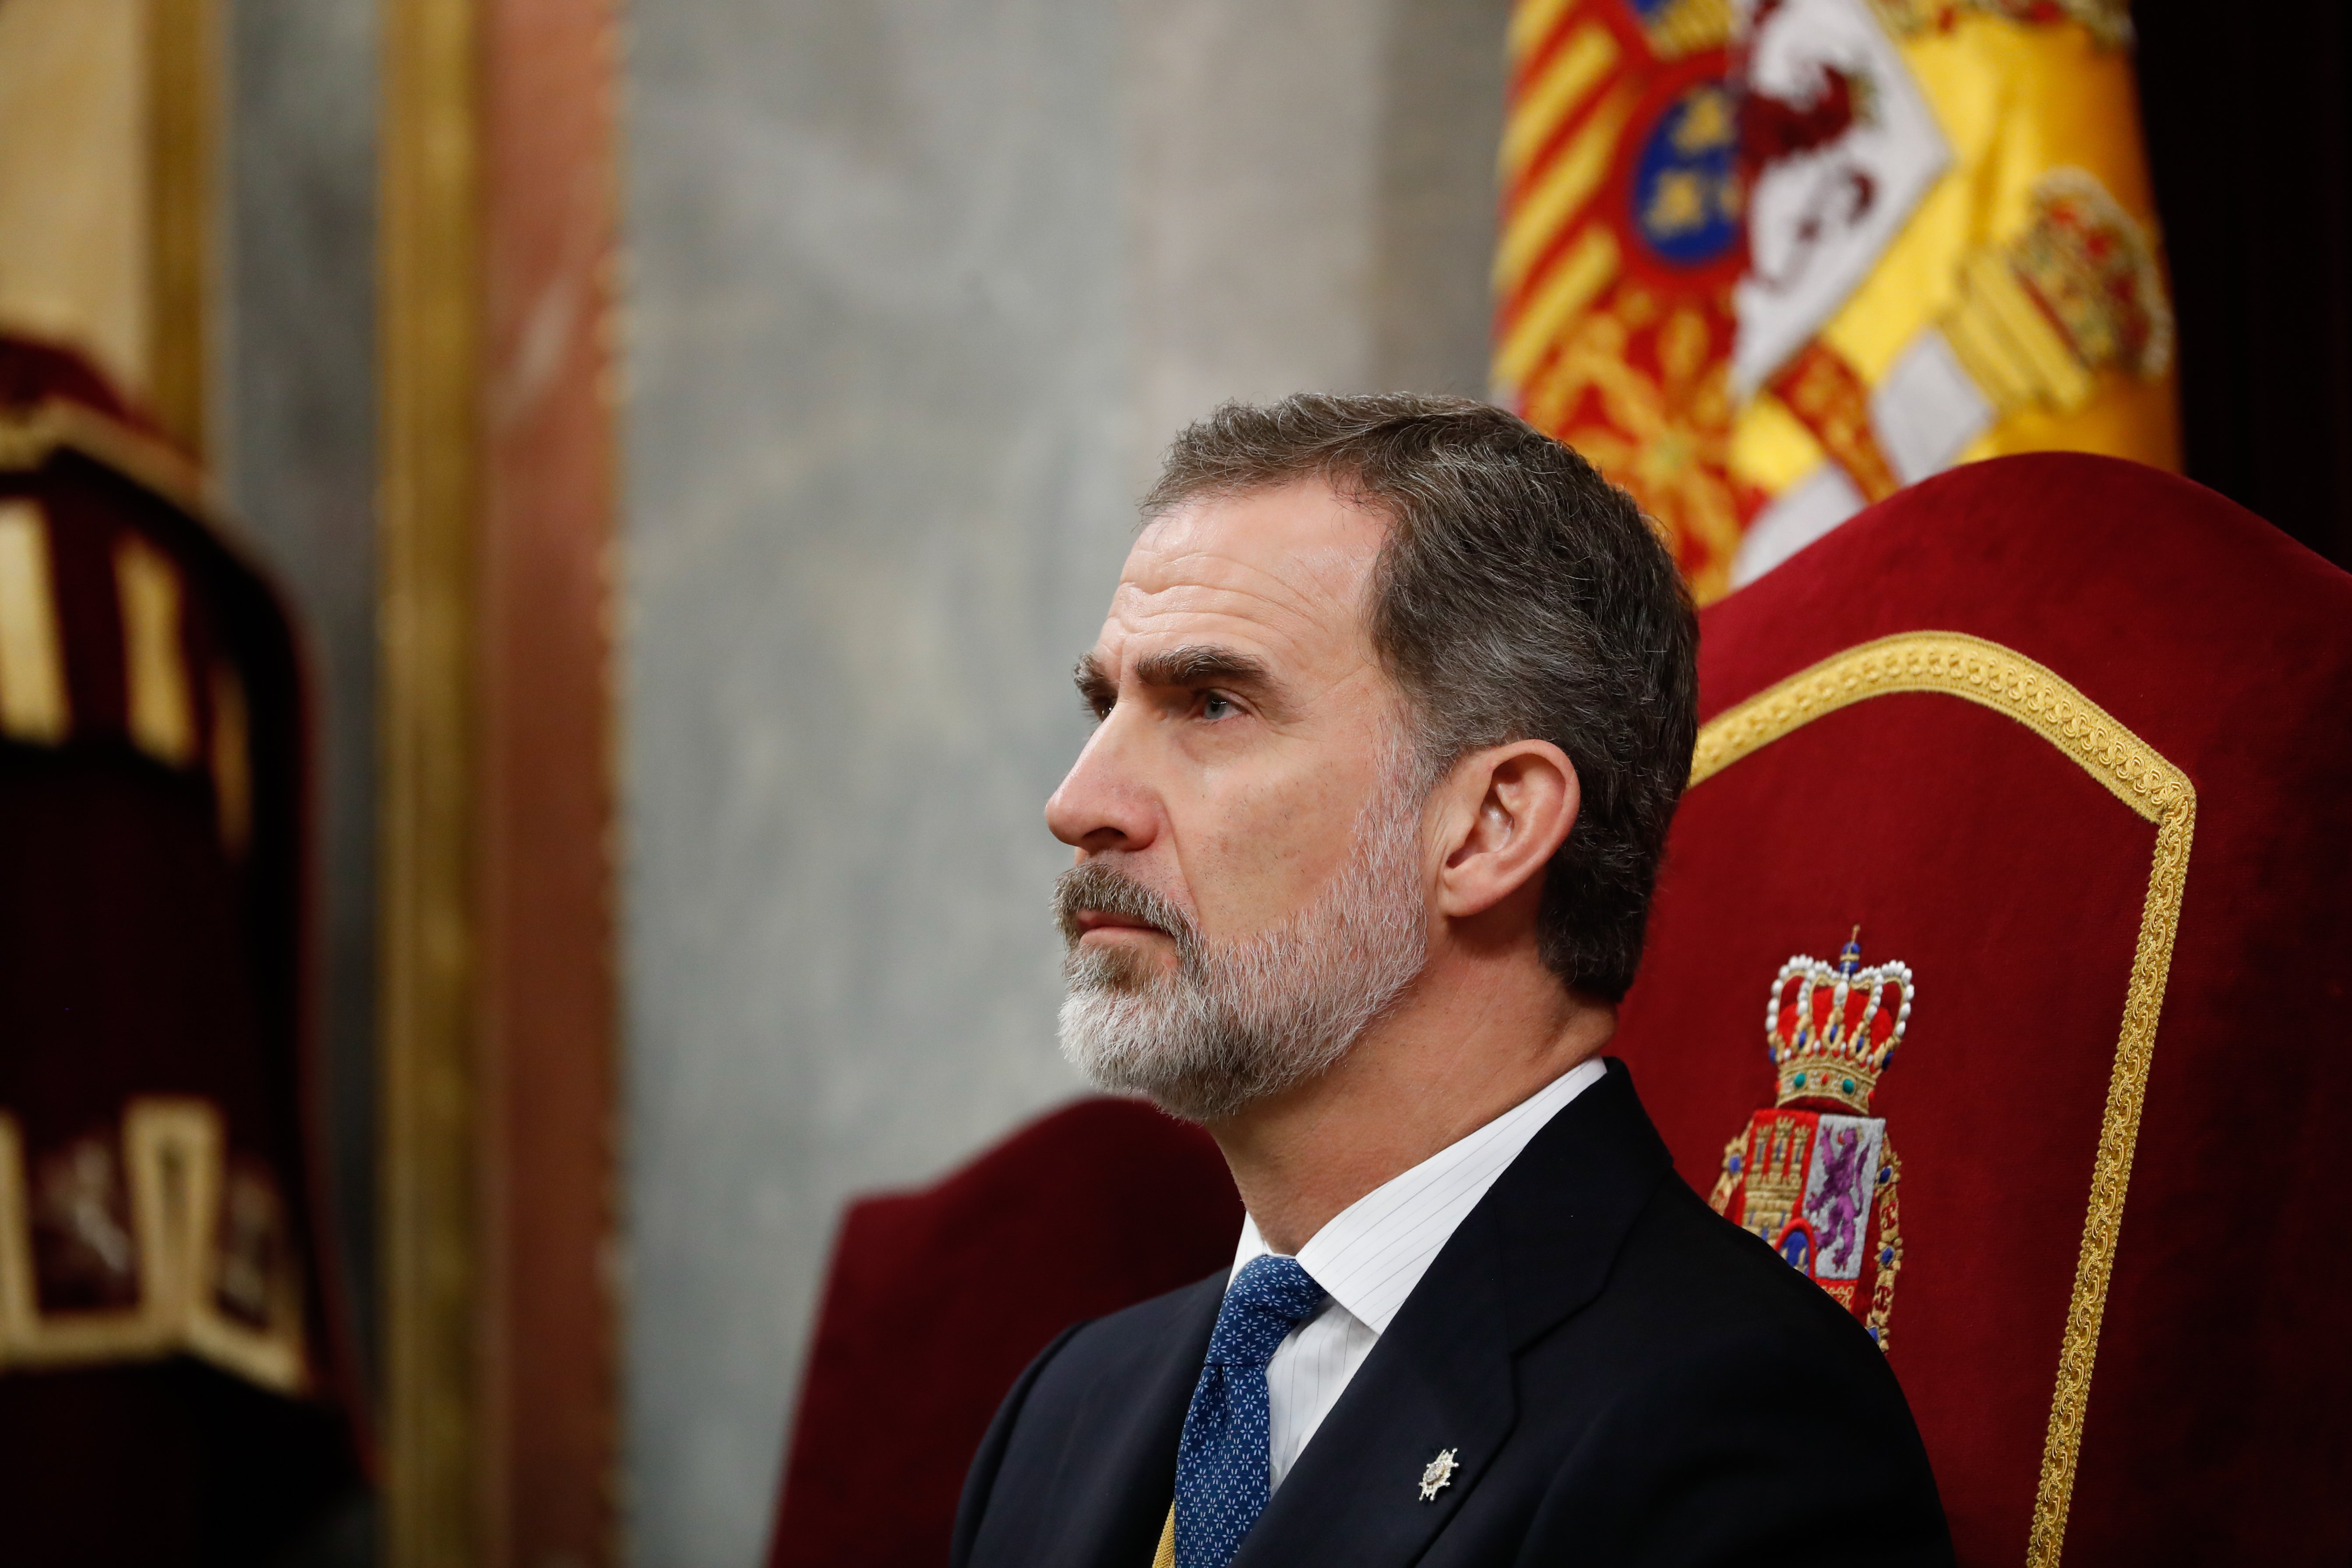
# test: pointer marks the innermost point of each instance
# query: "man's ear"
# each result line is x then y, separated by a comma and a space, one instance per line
1508, 810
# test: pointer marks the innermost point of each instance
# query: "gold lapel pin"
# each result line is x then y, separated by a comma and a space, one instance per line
1438, 1475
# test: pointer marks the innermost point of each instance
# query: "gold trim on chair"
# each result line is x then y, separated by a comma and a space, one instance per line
178, 1170
2008, 682
34, 707
29, 436
161, 709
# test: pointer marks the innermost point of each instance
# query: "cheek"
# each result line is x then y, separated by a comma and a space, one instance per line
1254, 851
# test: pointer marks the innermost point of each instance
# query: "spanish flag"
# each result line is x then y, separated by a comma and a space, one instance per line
1767, 263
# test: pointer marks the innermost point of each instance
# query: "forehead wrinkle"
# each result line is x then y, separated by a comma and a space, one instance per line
1328, 571
1295, 590
1285, 644
1285, 618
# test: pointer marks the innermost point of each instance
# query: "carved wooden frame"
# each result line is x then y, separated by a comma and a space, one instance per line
498, 1000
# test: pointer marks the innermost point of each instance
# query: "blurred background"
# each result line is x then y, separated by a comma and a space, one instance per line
690, 444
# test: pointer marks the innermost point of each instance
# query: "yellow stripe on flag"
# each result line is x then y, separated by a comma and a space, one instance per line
1567, 182
1567, 79
1570, 286
1532, 22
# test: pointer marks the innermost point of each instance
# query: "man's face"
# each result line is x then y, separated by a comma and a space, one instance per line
1248, 890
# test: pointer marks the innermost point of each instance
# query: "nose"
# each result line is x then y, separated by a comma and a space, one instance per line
1103, 803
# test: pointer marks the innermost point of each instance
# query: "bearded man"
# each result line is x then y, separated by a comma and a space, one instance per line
1395, 699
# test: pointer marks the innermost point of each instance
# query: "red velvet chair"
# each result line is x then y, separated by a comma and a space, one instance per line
938, 1299
175, 1387
2071, 740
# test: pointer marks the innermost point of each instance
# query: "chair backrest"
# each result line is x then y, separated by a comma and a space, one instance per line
2071, 740
938, 1299
175, 1380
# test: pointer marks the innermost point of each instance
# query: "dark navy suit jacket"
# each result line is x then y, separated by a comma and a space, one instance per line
1624, 1377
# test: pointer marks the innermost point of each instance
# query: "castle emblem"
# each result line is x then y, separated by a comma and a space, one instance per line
1815, 1176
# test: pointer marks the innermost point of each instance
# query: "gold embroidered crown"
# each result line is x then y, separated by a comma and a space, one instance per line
1832, 1029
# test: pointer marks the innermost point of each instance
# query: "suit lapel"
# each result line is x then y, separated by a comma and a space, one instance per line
1438, 1381
1564, 1206
1537, 1248
1117, 1472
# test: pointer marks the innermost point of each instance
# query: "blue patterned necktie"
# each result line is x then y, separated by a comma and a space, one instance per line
1222, 1466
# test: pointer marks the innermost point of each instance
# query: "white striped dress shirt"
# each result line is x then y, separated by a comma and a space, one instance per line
1374, 1251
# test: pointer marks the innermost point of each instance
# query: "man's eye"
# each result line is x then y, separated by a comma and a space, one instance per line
1216, 705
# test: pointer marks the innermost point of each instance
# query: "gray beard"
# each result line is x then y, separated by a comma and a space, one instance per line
1237, 1022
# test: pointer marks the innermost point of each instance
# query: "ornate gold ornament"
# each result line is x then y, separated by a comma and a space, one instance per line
1814, 1177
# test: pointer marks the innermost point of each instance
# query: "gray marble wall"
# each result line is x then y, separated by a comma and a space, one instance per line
296, 406
918, 289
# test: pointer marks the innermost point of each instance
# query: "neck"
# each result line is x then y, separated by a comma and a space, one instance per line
1470, 1041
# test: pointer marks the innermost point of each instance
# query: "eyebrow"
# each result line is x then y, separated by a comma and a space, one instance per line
1194, 665
1096, 688
1201, 664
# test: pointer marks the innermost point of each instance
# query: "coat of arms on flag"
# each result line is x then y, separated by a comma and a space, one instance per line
1622, 239
1767, 262
1815, 1176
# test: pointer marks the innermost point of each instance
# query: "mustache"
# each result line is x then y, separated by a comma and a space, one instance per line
1097, 887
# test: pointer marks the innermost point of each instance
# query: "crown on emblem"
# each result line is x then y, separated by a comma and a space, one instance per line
1832, 1030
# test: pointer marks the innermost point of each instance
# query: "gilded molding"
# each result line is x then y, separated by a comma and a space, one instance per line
183, 86
2006, 681
429, 328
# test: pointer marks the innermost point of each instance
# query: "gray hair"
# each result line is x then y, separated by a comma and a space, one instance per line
1520, 596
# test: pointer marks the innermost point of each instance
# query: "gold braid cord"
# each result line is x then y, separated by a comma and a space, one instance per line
2008, 682
31, 435
28, 436
176, 1153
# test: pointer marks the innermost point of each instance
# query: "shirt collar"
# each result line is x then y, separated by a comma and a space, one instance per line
1372, 1253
